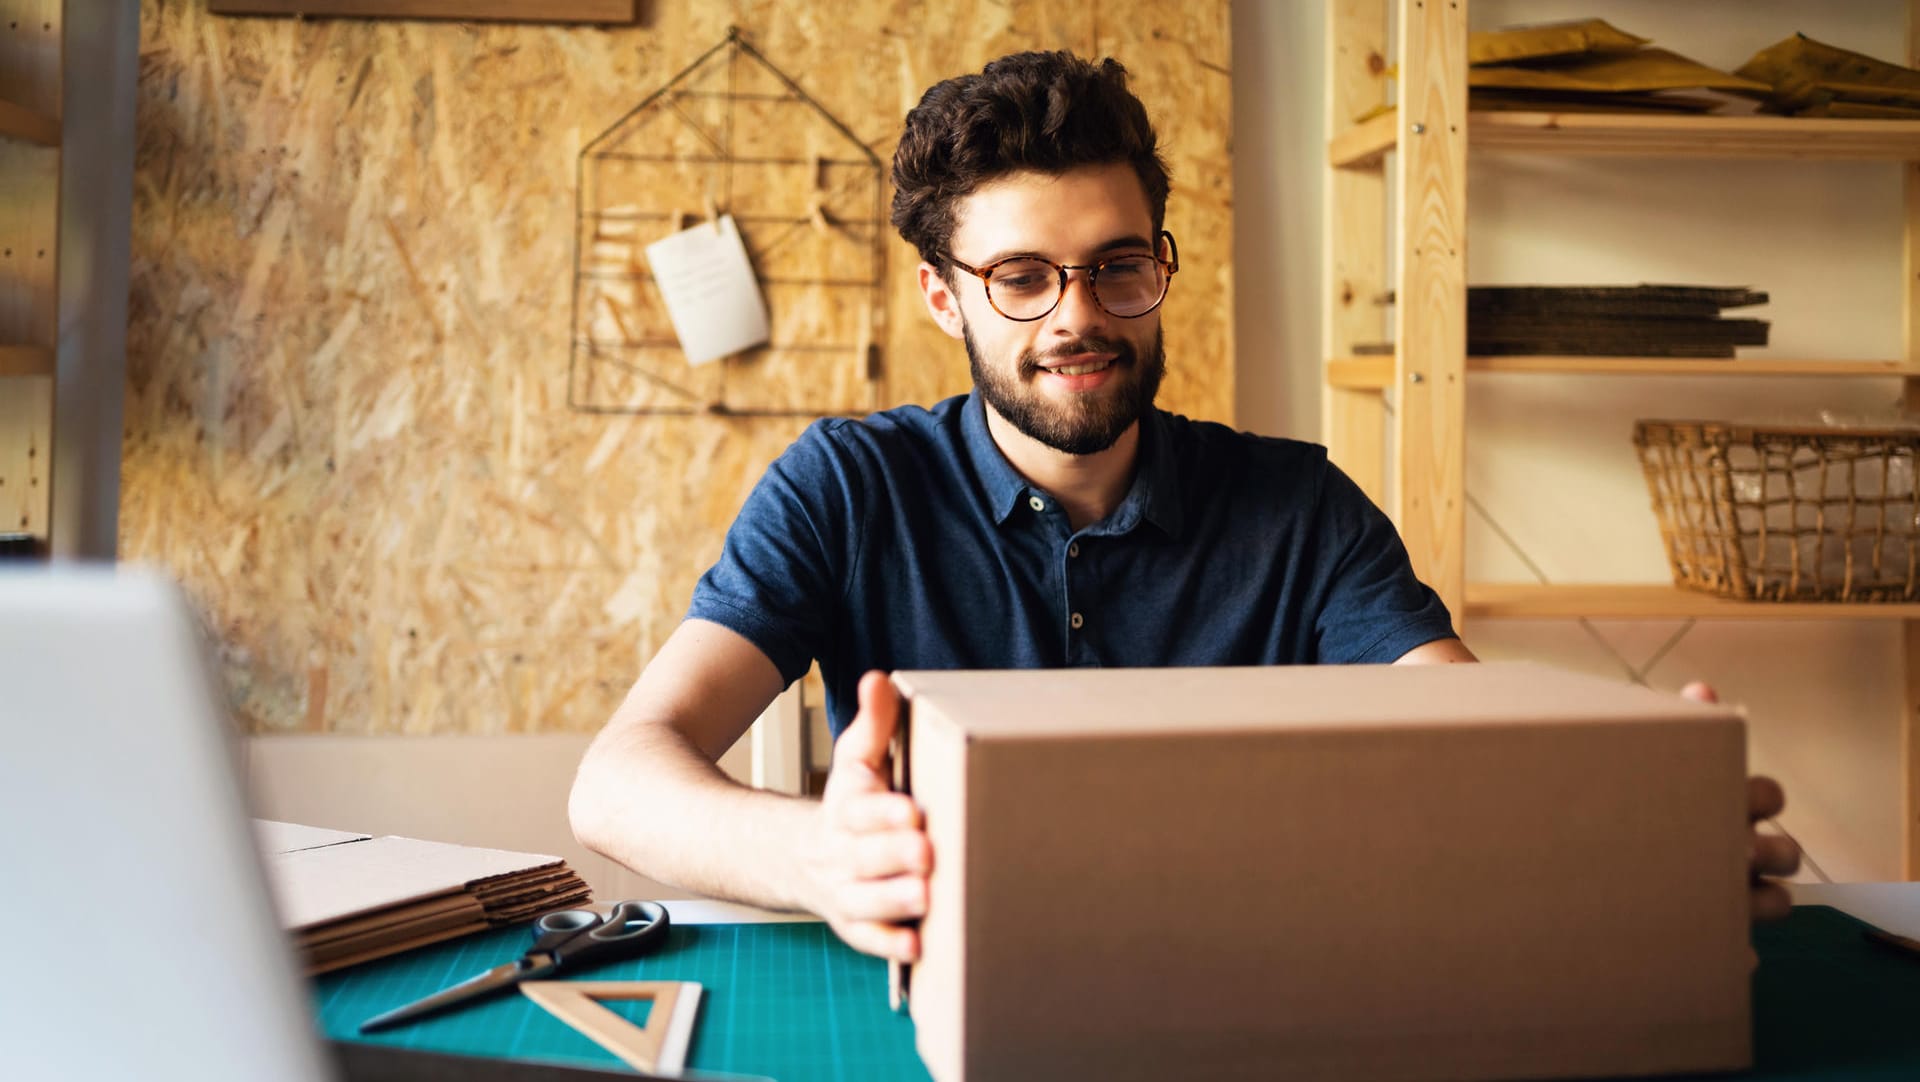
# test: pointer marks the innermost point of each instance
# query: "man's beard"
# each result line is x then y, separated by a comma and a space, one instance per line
1088, 423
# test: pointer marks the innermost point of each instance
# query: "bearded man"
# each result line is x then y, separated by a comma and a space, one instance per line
1053, 517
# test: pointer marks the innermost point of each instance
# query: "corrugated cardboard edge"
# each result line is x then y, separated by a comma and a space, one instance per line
900, 974
315, 969
942, 763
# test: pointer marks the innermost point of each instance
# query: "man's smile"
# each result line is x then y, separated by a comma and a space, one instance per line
1080, 364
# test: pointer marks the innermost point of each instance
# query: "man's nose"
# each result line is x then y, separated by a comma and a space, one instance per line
1079, 311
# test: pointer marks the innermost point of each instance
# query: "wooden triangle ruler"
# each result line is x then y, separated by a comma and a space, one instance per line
659, 1047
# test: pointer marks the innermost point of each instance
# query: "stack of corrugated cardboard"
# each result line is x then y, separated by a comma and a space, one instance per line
1811, 78
1611, 321
1588, 65
349, 898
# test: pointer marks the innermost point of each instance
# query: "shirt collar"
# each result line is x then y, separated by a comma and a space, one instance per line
1154, 495
1156, 484
1003, 484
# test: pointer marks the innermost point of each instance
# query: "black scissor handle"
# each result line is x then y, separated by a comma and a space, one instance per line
553, 929
630, 929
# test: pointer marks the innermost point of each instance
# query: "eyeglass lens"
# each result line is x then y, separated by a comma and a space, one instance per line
1125, 286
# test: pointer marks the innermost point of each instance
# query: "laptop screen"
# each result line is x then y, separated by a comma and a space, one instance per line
140, 934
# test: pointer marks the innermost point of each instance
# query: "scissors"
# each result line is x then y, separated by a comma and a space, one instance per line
568, 940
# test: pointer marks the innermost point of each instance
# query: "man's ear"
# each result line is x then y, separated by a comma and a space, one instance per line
942, 303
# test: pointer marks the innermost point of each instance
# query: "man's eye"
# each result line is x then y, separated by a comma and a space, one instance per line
1125, 270
1022, 281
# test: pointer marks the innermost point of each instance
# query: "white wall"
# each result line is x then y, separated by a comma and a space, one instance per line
499, 792
1279, 145
1549, 458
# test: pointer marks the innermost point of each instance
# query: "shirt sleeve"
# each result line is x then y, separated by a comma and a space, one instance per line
1373, 607
782, 571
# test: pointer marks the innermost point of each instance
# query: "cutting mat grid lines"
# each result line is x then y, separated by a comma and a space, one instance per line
791, 1002
785, 1000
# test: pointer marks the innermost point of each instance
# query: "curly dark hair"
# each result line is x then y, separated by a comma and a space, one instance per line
1044, 111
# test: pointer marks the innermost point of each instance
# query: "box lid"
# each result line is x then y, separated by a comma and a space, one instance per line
1046, 703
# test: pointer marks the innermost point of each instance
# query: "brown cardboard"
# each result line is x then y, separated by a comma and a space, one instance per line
347, 898
313, 886
1379, 872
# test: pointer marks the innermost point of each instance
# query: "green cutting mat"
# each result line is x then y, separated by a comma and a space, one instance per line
792, 1002
1830, 1004
788, 1001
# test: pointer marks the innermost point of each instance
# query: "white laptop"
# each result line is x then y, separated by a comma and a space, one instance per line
139, 936
138, 932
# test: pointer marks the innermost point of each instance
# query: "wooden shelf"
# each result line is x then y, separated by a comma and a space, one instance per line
1375, 373
26, 361
1360, 373
1652, 135
1526, 601
20, 122
1691, 366
1363, 145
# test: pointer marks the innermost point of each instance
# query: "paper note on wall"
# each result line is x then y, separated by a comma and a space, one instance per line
711, 295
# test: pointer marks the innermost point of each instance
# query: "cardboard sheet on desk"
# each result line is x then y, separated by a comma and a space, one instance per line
274, 836
334, 881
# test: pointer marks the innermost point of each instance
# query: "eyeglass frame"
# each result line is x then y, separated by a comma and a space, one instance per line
1171, 265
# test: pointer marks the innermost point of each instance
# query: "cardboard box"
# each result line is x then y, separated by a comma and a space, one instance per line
1368, 872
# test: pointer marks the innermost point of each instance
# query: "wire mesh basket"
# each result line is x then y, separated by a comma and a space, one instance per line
1786, 513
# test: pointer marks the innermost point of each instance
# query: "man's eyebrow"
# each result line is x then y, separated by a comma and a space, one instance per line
1118, 244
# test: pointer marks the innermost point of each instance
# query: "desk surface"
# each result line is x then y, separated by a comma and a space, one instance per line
790, 1001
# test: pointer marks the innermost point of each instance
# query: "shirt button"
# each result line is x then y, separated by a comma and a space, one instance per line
1076, 621
1036, 503
1073, 548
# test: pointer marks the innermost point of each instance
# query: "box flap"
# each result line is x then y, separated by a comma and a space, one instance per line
1047, 703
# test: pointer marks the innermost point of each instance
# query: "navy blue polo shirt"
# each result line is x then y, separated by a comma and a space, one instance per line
907, 541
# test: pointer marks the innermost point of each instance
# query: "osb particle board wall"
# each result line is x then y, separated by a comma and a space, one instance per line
347, 420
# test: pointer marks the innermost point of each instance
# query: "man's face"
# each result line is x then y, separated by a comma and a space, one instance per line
1078, 378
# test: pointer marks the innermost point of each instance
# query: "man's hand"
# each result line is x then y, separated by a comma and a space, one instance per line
868, 859
1773, 855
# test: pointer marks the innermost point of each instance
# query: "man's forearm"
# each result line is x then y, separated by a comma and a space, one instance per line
647, 798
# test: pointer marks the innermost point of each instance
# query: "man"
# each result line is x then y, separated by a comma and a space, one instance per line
1051, 518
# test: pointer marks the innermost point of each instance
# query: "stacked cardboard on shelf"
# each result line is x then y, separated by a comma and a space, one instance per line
348, 898
1591, 66
1811, 78
1610, 321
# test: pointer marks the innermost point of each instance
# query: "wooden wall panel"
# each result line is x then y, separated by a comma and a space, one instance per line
347, 419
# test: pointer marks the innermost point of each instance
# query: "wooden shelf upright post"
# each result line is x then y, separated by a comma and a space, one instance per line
66, 187
1421, 485
1353, 420
1430, 309
1910, 398
30, 160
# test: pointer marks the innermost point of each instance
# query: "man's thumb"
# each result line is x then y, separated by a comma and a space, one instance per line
1700, 692
869, 737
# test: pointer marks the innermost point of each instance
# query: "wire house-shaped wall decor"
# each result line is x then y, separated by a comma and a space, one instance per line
731, 134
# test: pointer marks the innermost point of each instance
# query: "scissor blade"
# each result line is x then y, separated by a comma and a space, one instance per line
493, 980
